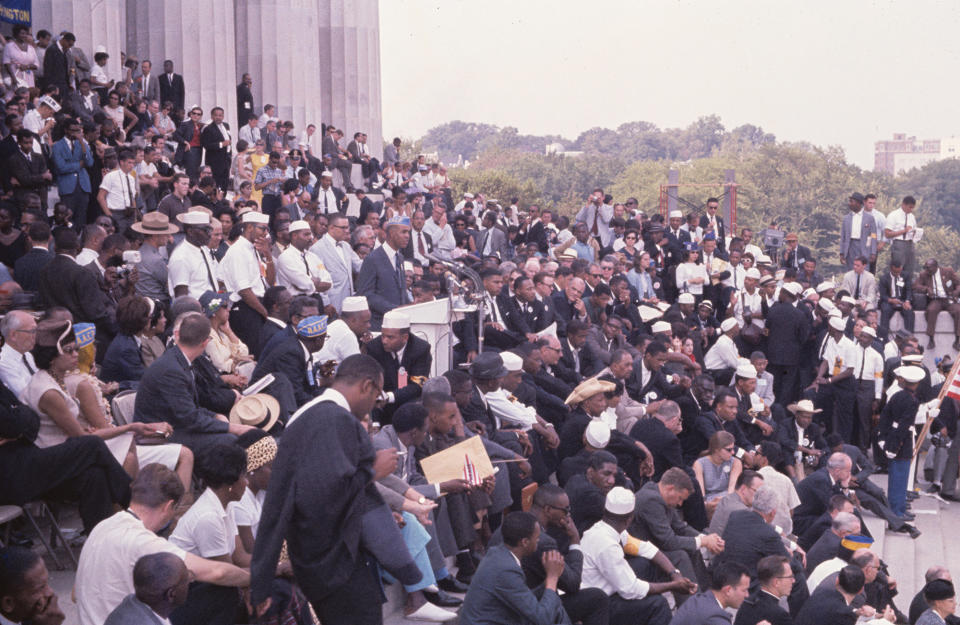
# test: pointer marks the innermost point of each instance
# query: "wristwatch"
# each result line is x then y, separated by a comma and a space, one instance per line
422, 500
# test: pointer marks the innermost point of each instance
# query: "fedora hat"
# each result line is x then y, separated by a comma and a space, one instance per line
487, 366
259, 410
588, 389
804, 405
155, 223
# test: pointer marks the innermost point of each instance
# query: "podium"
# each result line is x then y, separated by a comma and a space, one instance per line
431, 321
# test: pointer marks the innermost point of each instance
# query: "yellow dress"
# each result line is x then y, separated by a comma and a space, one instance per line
258, 160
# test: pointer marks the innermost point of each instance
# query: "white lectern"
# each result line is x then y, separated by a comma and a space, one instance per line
431, 321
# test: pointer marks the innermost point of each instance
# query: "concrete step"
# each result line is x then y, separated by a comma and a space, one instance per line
943, 337
393, 608
353, 205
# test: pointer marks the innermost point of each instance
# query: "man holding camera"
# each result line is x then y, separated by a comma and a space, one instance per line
118, 192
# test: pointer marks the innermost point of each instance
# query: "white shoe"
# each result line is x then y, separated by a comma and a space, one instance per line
430, 612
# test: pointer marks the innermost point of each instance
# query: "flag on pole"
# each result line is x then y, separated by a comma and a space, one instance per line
953, 386
470, 474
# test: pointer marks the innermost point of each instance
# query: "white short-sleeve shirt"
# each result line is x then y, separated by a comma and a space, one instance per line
241, 270
206, 530
121, 189
188, 266
105, 572
247, 511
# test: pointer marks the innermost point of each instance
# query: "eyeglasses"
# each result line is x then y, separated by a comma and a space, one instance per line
596, 275
69, 349
730, 449
563, 510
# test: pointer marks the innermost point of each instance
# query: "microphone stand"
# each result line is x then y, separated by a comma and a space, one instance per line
473, 294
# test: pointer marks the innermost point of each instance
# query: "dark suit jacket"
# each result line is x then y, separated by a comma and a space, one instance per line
132, 611
924, 282
788, 330
796, 258
416, 360
564, 311
379, 282
538, 234
501, 595
661, 524
287, 357
77, 103
721, 230
748, 538
29, 174
244, 104
567, 364
65, 283
533, 564
56, 69
215, 155
173, 91
122, 362
267, 331
762, 606
167, 392
586, 501
662, 443
409, 250
814, 491
701, 609
884, 281
825, 548
26, 271
522, 322
826, 605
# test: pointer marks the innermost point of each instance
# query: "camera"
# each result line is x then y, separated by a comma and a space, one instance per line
131, 258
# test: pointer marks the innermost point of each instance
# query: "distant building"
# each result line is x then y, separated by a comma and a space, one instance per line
558, 150
904, 153
950, 147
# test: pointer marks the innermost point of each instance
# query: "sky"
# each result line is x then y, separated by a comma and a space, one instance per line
839, 72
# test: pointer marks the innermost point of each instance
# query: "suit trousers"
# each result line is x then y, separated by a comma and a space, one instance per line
934, 306
786, 383
905, 253
357, 601
837, 400
191, 162
651, 610
246, 324
863, 412
951, 467
873, 499
208, 604
886, 314
589, 606
77, 203
269, 205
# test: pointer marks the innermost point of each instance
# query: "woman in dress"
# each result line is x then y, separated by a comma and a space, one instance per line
70, 406
225, 350
258, 159
241, 169
20, 57
717, 470
691, 275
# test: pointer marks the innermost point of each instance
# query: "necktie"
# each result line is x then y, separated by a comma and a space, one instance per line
402, 279
856, 293
896, 286
420, 248
863, 362
493, 311
483, 243
596, 218
27, 365
206, 263
306, 265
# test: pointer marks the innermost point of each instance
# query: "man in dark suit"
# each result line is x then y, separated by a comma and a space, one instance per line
659, 433
216, 141
794, 254
245, 102
832, 605
63, 282
788, 328
776, 579
328, 198
56, 64
524, 313
648, 382
896, 295
397, 349
167, 392
29, 169
338, 160
499, 593
568, 304
828, 545
728, 588
26, 271
816, 489
675, 236
293, 357
537, 233
575, 361
189, 144
85, 103
420, 244
382, 278
711, 218
172, 89
161, 581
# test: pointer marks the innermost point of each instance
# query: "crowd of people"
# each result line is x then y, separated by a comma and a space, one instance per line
683, 420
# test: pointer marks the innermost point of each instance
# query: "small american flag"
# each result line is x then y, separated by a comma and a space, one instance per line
470, 474
953, 387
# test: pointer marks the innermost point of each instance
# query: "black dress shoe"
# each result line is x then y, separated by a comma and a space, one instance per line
442, 599
934, 488
949, 497
911, 495
908, 516
449, 584
908, 529
930, 343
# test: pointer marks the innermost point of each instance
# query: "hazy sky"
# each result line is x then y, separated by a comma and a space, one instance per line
838, 72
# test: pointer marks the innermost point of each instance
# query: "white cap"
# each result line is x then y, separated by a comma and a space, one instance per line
468, 195
597, 433
253, 217
407, 265
619, 501
661, 326
835, 312
326, 174
746, 371
298, 225
355, 303
808, 293
395, 320
837, 323
194, 218
50, 102
918, 358
846, 299
100, 49
676, 214
686, 298
825, 286
511, 361
753, 272
910, 373
869, 331
794, 288
728, 324
764, 260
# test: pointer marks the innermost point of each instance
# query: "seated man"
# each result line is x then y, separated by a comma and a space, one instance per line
776, 579
168, 392
815, 490
729, 584
659, 521
293, 358
834, 605
740, 499
499, 593
828, 545
588, 491
551, 506
632, 600
105, 573
160, 582
405, 359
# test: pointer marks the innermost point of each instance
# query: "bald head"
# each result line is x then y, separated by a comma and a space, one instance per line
155, 578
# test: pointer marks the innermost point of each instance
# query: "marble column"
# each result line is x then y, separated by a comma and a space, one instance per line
93, 22
199, 38
277, 42
350, 68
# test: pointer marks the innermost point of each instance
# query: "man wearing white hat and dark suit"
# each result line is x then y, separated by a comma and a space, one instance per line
247, 272
405, 359
896, 432
632, 600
